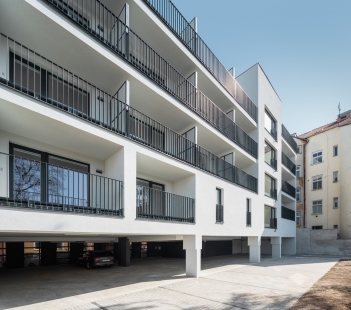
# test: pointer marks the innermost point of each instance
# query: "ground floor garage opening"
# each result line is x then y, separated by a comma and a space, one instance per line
125, 250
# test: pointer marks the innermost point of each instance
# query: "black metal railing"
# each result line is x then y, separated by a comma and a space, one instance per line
219, 213
288, 138
159, 205
288, 164
44, 80
274, 133
248, 218
288, 214
94, 16
273, 163
171, 16
273, 193
288, 189
44, 186
273, 223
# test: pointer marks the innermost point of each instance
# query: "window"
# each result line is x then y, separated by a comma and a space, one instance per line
270, 124
147, 134
298, 193
270, 220
269, 155
66, 181
150, 197
335, 202
317, 158
62, 91
317, 207
317, 227
298, 218
219, 206
219, 196
335, 150
269, 187
335, 226
75, 14
335, 176
298, 149
298, 169
317, 182
248, 212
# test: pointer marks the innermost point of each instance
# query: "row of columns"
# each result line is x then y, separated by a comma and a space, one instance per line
193, 245
254, 244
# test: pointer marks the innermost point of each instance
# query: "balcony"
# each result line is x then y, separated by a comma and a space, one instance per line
57, 87
152, 204
176, 22
288, 164
219, 213
289, 139
288, 189
288, 214
44, 186
115, 35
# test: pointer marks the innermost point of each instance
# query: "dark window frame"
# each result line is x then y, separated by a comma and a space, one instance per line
335, 150
274, 124
150, 129
44, 161
44, 84
274, 157
152, 182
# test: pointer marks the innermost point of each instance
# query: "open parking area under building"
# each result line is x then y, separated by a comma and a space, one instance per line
226, 282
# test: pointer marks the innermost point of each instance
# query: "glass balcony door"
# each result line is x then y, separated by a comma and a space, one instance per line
40, 177
150, 198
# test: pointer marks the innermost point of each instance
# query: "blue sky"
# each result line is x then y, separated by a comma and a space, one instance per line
304, 46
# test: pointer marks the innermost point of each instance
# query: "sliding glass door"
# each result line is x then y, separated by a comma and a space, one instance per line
42, 177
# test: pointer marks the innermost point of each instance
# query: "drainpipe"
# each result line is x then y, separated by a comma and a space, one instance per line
304, 183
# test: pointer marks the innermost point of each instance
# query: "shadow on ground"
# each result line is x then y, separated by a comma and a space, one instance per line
20, 287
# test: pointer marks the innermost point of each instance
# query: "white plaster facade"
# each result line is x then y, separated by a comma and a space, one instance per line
31, 123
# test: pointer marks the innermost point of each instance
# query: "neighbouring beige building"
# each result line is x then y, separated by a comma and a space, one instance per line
323, 183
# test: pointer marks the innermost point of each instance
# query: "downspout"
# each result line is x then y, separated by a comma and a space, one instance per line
304, 183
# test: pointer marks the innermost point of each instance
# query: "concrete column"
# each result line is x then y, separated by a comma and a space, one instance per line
276, 243
192, 246
254, 244
123, 252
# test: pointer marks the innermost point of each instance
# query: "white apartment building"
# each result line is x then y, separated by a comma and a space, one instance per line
324, 172
120, 129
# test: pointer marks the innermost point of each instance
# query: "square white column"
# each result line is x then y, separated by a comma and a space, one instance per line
255, 249
276, 243
192, 246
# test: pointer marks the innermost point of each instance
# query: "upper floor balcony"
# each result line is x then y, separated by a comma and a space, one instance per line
117, 36
288, 189
57, 87
289, 140
288, 163
176, 22
57, 185
154, 204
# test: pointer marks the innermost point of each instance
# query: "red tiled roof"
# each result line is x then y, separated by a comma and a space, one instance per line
323, 128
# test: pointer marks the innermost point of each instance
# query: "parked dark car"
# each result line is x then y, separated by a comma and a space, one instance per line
92, 259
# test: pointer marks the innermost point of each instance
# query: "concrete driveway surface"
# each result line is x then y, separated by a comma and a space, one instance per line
226, 282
